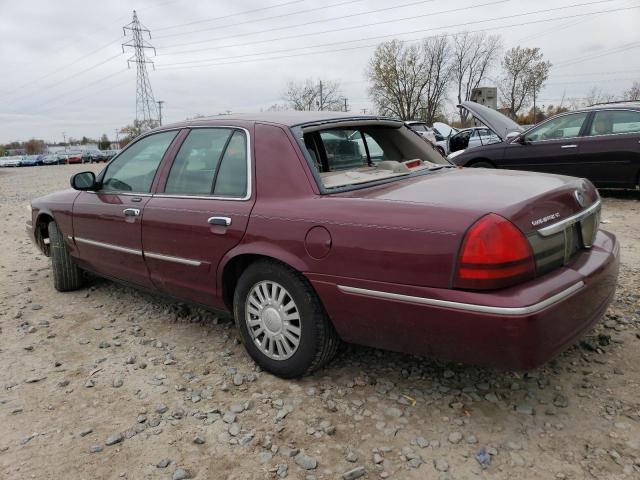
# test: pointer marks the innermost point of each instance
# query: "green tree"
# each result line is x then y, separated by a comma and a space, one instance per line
104, 142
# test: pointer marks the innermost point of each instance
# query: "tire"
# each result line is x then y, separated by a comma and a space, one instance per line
482, 165
66, 274
317, 339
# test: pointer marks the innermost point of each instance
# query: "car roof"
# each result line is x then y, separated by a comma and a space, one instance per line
287, 118
634, 105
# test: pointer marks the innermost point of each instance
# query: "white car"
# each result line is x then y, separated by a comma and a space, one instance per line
14, 161
422, 129
472, 137
443, 132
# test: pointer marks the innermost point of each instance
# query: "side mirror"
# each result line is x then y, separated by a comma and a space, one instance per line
84, 181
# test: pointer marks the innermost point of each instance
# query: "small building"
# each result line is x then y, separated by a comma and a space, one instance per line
487, 96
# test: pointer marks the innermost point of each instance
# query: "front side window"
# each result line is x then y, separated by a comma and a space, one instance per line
134, 169
566, 126
609, 122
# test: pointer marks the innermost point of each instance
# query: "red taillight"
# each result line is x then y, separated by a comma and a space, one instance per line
494, 254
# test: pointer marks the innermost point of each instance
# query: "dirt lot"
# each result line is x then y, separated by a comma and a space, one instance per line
108, 382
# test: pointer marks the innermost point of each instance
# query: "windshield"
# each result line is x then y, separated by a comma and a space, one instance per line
344, 157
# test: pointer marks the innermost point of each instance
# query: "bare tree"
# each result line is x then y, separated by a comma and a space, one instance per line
314, 95
634, 92
437, 60
474, 54
597, 95
405, 80
524, 74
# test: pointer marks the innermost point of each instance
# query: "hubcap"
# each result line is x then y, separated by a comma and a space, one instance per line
273, 320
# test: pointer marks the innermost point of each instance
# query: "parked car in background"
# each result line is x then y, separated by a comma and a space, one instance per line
13, 161
422, 129
50, 159
94, 156
109, 154
442, 133
29, 160
281, 219
601, 143
472, 137
74, 157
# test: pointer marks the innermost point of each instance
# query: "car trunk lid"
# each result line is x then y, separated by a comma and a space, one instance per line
496, 121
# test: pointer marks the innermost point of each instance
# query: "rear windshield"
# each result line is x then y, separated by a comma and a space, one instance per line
355, 156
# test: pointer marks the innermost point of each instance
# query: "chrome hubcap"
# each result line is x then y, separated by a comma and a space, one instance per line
273, 320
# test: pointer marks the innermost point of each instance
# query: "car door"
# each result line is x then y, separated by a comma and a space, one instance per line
107, 226
200, 212
610, 152
551, 147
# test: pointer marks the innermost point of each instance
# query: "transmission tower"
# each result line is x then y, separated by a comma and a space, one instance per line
146, 107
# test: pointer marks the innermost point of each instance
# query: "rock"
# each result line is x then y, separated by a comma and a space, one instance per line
441, 465
561, 401
229, 417
305, 461
85, 432
198, 440
422, 442
491, 397
117, 382
282, 470
393, 412
114, 438
36, 306
238, 379
181, 474
162, 408
525, 409
234, 429
354, 473
34, 379
265, 457
377, 458
351, 457
95, 448
164, 463
455, 437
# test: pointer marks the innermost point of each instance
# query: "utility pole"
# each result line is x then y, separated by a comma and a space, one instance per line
345, 105
117, 137
160, 102
321, 101
146, 111
64, 139
534, 104
364, 111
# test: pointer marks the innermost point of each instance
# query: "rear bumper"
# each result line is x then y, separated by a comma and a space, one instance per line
515, 328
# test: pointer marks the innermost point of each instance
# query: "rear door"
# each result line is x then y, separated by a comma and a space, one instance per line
610, 153
552, 147
107, 224
200, 212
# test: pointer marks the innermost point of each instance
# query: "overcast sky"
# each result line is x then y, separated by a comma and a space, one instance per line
63, 70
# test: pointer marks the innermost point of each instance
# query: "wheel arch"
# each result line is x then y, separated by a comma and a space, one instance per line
233, 264
41, 231
470, 163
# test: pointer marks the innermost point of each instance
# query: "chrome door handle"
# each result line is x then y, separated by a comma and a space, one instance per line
223, 221
569, 146
131, 212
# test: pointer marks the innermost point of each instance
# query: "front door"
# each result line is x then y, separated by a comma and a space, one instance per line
552, 147
107, 224
199, 213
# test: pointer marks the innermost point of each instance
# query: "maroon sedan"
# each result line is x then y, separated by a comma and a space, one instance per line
315, 227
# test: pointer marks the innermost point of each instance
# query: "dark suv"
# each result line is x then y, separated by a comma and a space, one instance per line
601, 143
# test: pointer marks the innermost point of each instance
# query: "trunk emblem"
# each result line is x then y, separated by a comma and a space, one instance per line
579, 196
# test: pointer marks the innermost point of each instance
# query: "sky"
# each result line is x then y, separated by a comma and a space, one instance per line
63, 70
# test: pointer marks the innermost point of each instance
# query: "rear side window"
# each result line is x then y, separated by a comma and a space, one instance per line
608, 122
195, 165
134, 169
231, 179
211, 161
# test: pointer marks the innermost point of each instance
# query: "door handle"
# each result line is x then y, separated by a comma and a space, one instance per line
569, 146
131, 212
222, 221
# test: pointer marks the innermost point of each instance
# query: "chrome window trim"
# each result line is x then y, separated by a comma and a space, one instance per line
108, 246
469, 307
533, 142
129, 194
246, 196
170, 258
563, 224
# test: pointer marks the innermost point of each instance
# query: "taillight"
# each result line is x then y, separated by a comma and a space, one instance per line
494, 254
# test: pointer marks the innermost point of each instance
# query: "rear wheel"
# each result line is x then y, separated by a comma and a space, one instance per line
482, 164
282, 323
66, 274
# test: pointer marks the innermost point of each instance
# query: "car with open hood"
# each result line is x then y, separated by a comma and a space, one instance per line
600, 143
316, 227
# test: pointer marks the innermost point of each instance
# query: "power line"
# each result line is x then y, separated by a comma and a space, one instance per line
322, 20
374, 24
214, 62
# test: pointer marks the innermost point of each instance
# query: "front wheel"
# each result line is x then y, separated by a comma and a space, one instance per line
66, 274
282, 323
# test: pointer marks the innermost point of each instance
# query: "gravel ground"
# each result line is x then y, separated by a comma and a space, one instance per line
108, 382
